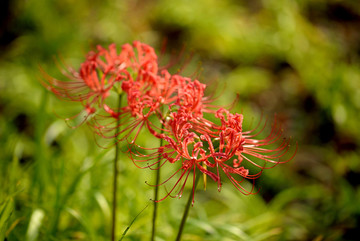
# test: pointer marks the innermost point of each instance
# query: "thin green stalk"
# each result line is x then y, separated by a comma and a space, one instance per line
41, 168
187, 207
115, 177
156, 192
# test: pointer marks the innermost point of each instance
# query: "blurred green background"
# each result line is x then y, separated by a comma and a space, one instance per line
297, 58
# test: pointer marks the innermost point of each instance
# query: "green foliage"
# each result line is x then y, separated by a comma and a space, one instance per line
6, 210
299, 59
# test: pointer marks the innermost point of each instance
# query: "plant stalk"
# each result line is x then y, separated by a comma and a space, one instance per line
187, 207
115, 177
156, 192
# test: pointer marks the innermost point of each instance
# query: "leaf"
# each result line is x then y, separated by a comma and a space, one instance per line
6, 210
35, 224
127, 229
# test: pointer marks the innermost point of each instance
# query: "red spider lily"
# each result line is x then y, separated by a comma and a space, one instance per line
145, 90
157, 95
185, 146
236, 146
134, 72
200, 144
92, 84
98, 75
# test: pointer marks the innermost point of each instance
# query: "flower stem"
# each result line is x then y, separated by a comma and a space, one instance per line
115, 177
156, 191
187, 207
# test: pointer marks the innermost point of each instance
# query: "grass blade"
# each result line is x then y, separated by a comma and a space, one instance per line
6, 210
34, 225
127, 229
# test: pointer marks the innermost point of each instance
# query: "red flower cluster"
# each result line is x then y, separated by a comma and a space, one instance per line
178, 103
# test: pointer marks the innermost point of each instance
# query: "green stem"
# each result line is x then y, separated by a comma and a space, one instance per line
41, 166
115, 177
187, 207
156, 192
